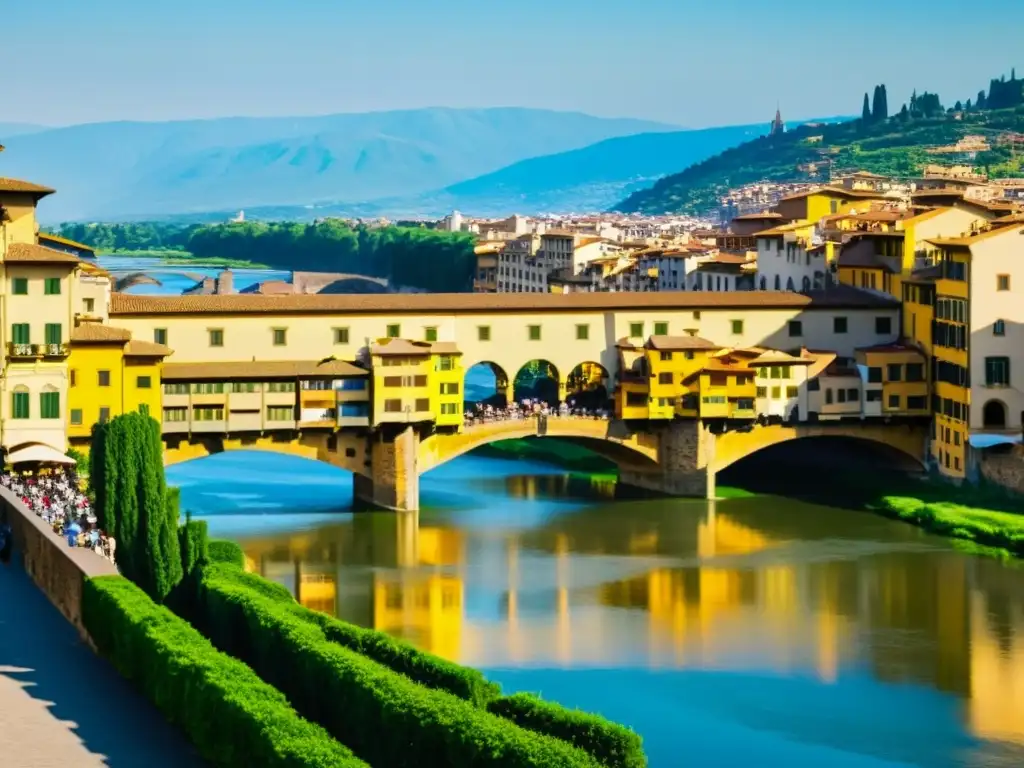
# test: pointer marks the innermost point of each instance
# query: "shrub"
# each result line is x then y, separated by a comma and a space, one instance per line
386, 718
220, 551
232, 717
613, 744
192, 544
424, 668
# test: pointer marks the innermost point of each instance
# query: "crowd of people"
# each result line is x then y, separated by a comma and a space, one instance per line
482, 413
57, 496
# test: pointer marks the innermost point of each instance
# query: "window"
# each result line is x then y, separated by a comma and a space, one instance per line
280, 336
636, 330
796, 328
483, 333
533, 332
665, 356
19, 404
791, 392
143, 382
208, 413
661, 329
176, 414
875, 375
76, 417
280, 386
737, 327
20, 333
19, 286
72, 377
828, 397
696, 315
894, 372
997, 371
104, 414
103, 378
762, 391
449, 409
664, 378
52, 333
636, 399
839, 325
813, 385
841, 395
999, 328
883, 326
208, 388
422, 404
52, 286
430, 334
341, 335
853, 395
245, 387
280, 413
394, 331
894, 402
89, 305
160, 335
917, 403
1002, 282
582, 332
216, 337
776, 393
449, 388
915, 372
873, 396
49, 405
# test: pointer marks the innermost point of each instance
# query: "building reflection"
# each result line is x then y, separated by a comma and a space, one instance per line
721, 588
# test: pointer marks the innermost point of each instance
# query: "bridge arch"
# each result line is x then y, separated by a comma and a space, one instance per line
587, 385
344, 451
538, 380
485, 382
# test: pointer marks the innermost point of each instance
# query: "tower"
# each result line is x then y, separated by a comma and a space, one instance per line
778, 127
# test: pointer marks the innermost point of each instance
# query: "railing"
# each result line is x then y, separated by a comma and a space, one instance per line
32, 351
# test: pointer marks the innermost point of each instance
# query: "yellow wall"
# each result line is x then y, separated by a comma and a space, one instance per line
397, 380
123, 394
22, 227
669, 369
447, 374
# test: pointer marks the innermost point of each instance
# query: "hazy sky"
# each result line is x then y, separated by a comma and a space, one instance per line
689, 62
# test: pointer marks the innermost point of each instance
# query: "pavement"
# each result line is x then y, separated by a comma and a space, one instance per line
61, 706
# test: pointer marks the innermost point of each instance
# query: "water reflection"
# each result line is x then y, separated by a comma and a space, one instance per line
866, 623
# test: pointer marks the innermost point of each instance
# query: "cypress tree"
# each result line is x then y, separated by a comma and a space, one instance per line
981, 101
881, 113
158, 511
865, 114
98, 478
876, 104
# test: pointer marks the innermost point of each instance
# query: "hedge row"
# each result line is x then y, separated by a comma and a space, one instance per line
613, 744
221, 551
424, 668
384, 717
987, 527
232, 717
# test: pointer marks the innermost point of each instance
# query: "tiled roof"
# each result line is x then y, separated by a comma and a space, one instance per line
97, 333
444, 348
967, 242
890, 349
837, 192
140, 348
65, 241
270, 369
765, 215
451, 303
681, 343
17, 185
400, 347
31, 253
778, 357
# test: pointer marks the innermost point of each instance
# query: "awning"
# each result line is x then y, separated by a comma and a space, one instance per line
982, 440
39, 454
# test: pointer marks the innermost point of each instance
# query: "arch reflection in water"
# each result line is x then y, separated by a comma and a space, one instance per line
755, 586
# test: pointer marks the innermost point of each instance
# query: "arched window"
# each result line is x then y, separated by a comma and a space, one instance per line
778, 283
789, 284
763, 283
993, 415
20, 408
806, 284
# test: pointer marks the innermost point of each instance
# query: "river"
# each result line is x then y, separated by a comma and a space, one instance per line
754, 631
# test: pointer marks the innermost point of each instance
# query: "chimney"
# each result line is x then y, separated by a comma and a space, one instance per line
225, 282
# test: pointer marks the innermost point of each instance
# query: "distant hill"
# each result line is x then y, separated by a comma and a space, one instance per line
899, 145
9, 130
123, 169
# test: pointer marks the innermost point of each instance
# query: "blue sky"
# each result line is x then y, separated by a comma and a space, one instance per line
688, 62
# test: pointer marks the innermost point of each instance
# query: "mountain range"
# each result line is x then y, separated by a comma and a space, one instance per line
135, 169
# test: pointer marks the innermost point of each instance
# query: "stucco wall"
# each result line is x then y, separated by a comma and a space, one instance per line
57, 569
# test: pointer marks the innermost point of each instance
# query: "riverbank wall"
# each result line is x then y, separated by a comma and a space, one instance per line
58, 570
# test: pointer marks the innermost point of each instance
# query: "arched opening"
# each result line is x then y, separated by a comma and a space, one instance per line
763, 283
486, 383
778, 283
806, 284
993, 415
587, 386
789, 284
537, 380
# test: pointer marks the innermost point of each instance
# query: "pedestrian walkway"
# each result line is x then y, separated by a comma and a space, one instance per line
61, 705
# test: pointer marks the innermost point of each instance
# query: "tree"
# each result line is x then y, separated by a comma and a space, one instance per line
158, 512
881, 112
958, 107
967, 106
865, 114
981, 101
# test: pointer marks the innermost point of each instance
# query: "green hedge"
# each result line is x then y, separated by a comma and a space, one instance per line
990, 528
232, 717
613, 744
220, 551
386, 718
424, 668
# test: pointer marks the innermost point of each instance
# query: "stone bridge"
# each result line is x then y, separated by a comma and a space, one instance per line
124, 280
678, 458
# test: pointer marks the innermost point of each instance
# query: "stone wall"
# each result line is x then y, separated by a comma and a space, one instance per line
1004, 469
395, 481
681, 462
57, 569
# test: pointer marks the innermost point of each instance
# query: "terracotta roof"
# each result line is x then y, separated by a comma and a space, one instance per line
17, 185
667, 343
65, 241
836, 191
444, 348
724, 257
268, 369
967, 242
270, 288
778, 357
31, 253
451, 303
765, 215
890, 349
140, 348
97, 333
400, 347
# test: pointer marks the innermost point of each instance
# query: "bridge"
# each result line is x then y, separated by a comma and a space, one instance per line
123, 280
679, 458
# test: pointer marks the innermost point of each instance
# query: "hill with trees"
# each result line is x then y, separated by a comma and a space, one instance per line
922, 132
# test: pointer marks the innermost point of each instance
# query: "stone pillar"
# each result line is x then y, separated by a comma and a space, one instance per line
394, 483
682, 462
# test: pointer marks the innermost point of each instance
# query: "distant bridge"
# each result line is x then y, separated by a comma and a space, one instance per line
123, 279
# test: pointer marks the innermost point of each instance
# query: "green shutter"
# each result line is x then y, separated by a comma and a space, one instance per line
20, 333
52, 286
53, 333
19, 405
49, 405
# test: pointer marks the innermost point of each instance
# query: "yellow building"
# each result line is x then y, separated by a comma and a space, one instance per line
896, 383
813, 205
110, 374
401, 382
446, 383
671, 361
726, 388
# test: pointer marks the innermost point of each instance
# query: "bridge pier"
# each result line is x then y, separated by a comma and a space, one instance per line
394, 483
682, 463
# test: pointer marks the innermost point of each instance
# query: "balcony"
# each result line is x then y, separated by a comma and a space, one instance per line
36, 351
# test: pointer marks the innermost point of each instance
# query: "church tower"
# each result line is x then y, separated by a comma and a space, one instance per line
778, 127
